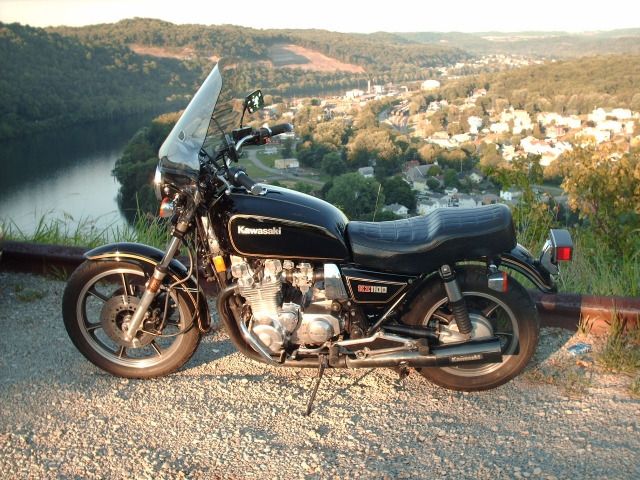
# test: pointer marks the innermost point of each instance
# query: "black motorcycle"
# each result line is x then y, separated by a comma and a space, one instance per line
299, 284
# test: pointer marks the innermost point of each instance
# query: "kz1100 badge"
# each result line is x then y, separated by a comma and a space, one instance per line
242, 230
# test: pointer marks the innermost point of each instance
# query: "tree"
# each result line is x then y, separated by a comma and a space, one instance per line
329, 134
604, 187
333, 164
356, 196
450, 178
396, 190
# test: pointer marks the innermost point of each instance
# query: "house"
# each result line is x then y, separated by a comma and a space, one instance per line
429, 85
499, 127
612, 125
596, 135
270, 150
461, 138
366, 172
508, 152
475, 123
476, 177
396, 209
355, 93
511, 195
621, 113
490, 199
286, 163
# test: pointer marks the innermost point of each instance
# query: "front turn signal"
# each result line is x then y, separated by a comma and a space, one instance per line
167, 208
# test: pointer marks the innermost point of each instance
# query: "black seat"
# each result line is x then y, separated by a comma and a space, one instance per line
422, 244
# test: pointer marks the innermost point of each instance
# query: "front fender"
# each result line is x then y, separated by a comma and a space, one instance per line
147, 257
521, 260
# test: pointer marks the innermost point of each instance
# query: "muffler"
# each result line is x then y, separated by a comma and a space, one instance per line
472, 352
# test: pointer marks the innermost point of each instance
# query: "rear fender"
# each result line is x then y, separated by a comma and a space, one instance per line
520, 260
147, 258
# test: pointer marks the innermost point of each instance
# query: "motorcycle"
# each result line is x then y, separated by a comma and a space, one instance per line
299, 284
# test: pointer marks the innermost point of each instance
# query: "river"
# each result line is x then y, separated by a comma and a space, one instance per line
66, 175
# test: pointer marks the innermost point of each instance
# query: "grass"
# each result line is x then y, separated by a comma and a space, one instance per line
85, 233
563, 373
621, 351
27, 295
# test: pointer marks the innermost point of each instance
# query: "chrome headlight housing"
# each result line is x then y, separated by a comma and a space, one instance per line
158, 183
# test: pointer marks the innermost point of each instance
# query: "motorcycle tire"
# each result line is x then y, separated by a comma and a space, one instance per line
101, 296
511, 316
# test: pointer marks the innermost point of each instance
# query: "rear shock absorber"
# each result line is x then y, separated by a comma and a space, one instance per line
456, 301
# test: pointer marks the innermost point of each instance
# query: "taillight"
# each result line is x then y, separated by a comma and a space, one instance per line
564, 254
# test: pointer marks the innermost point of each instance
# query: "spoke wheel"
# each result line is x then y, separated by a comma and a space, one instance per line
98, 303
510, 316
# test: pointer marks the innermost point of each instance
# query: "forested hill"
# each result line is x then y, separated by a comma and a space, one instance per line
66, 75
375, 53
50, 80
545, 44
574, 86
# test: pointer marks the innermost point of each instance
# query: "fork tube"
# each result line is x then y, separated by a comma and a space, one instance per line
152, 288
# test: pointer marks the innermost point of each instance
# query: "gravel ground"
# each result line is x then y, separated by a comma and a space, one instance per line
224, 416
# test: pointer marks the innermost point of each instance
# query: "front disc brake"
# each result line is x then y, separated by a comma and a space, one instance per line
115, 316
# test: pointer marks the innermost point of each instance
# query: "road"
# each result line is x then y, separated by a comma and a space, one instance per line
253, 157
224, 416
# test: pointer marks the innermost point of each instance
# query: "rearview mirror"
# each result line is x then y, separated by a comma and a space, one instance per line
254, 101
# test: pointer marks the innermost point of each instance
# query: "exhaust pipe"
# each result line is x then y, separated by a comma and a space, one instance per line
467, 353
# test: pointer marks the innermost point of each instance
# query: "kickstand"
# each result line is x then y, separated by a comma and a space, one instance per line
323, 364
403, 373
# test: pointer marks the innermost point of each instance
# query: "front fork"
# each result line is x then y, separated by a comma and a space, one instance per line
153, 286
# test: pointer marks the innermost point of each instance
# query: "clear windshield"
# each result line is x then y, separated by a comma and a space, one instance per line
179, 152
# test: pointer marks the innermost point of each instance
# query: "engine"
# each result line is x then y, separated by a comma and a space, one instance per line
290, 304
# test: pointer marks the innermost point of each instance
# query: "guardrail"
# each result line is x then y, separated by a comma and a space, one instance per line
556, 310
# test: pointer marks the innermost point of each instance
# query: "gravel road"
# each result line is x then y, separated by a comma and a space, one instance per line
224, 416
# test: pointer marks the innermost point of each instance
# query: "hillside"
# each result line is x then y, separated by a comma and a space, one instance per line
373, 53
49, 80
543, 44
572, 86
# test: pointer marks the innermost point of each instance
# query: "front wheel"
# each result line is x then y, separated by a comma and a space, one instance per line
510, 316
100, 299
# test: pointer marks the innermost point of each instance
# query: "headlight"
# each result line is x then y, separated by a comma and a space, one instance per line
157, 183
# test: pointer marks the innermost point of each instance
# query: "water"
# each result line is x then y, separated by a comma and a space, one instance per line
65, 174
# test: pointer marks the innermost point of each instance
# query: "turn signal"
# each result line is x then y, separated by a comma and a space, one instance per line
564, 254
218, 263
167, 208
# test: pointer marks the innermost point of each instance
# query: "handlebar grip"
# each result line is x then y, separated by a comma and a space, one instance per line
282, 128
243, 179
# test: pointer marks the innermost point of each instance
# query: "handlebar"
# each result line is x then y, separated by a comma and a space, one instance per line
240, 177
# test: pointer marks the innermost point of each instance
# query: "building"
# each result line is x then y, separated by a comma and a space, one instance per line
429, 85
286, 163
355, 93
396, 209
366, 172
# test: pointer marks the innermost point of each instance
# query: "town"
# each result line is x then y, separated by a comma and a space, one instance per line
459, 128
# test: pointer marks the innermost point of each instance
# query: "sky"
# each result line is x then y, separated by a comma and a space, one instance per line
341, 15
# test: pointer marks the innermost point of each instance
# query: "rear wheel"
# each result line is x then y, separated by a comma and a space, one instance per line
510, 316
100, 299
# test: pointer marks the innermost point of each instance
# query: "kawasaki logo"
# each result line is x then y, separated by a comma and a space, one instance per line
242, 230
466, 358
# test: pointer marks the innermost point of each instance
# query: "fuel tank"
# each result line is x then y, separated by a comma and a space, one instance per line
281, 223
